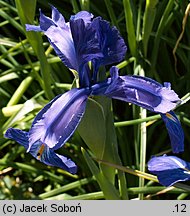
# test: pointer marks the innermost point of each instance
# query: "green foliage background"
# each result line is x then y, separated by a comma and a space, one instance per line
31, 74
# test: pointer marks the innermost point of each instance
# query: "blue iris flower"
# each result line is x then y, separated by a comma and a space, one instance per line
84, 44
169, 169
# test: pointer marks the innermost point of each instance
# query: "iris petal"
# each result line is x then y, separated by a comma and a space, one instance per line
75, 42
169, 169
61, 39
86, 46
18, 135
143, 92
41, 151
111, 43
59, 35
58, 120
84, 15
175, 131
58, 19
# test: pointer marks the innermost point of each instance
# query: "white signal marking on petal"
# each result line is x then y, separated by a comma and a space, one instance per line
180, 164
136, 95
187, 172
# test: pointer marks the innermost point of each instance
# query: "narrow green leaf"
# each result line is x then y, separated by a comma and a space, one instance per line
160, 31
151, 190
11, 110
131, 171
111, 13
26, 11
110, 151
110, 192
32, 169
100, 136
65, 188
20, 91
92, 128
130, 27
75, 6
11, 20
89, 196
148, 21
85, 5
8, 77
27, 107
137, 121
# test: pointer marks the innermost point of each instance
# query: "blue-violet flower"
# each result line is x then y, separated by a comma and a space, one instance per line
169, 169
82, 40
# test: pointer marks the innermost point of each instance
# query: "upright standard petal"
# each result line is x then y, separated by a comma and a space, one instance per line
86, 46
41, 151
112, 45
57, 121
169, 169
58, 19
142, 91
175, 131
76, 42
59, 35
84, 15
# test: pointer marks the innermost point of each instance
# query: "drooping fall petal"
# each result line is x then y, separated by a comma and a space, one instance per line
142, 91
175, 131
41, 151
169, 169
57, 121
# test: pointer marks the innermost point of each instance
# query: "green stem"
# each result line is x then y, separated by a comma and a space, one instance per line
20, 91
65, 188
143, 141
85, 5
75, 6
32, 169
182, 196
125, 63
142, 149
137, 121
138, 35
152, 190
89, 196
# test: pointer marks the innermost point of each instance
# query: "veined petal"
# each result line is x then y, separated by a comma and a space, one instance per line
143, 92
175, 131
111, 43
58, 120
86, 45
58, 19
169, 169
60, 38
59, 35
18, 135
75, 42
41, 151
84, 15
44, 109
